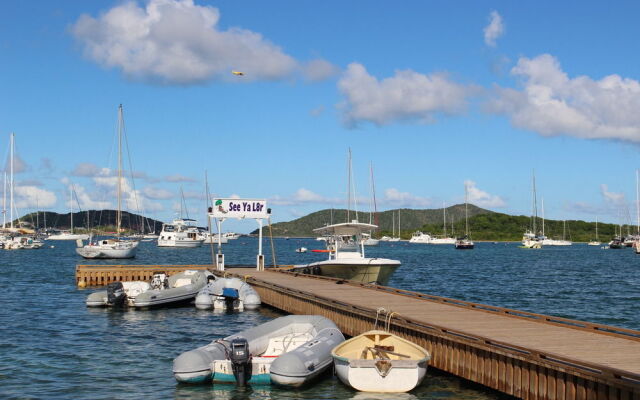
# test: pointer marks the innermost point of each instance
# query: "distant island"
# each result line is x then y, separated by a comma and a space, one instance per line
94, 220
484, 225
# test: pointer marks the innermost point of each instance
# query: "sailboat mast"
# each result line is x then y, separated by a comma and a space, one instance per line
349, 185
393, 224
596, 229
71, 205
444, 219
4, 202
119, 212
535, 205
399, 235
542, 216
637, 205
466, 211
11, 180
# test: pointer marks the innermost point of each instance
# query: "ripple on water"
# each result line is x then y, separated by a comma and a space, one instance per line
53, 347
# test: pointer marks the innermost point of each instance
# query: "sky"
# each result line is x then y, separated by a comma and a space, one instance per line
435, 96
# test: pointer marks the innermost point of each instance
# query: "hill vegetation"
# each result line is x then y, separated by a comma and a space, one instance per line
483, 224
96, 220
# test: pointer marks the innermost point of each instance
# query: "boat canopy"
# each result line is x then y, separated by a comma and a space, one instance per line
347, 228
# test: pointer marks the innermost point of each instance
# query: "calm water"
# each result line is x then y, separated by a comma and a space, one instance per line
53, 347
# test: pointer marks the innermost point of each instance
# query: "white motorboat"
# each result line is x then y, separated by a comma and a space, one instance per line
214, 238
231, 235
555, 242
347, 257
378, 361
287, 351
419, 237
301, 250
162, 290
367, 240
180, 234
227, 293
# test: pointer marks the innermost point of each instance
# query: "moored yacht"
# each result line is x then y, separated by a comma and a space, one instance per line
347, 259
419, 237
531, 241
180, 234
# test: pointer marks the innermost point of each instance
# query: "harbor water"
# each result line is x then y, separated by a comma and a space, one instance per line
53, 347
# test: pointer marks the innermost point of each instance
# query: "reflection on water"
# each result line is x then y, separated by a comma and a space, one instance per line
52, 346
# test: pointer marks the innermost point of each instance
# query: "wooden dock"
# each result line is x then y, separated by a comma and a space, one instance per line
523, 354
103, 274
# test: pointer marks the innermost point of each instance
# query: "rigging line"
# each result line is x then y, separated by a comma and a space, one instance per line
133, 182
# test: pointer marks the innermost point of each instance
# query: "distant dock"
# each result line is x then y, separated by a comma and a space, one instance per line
522, 354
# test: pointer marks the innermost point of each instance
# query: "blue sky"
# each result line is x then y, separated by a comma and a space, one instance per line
437, 95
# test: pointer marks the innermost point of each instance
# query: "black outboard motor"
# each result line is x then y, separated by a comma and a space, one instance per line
115, 294
240, 360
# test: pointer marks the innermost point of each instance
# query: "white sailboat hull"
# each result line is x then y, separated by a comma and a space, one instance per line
69, 236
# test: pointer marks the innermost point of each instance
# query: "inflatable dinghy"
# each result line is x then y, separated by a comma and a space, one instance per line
288, 351
227, 293
161, 290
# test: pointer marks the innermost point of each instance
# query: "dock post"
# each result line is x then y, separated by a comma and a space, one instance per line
260, 258
220, 262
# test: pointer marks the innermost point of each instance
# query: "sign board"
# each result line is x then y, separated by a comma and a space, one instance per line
239, 208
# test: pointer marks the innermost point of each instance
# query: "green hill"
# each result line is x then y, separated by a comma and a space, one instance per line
101, 220
410, 220
483, 224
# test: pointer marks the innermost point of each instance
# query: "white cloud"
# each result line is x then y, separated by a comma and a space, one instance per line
177, 42
612, 197
550, 103
396, 198
481, 198
86, 169
317, 70
19, 165
84, 198
178, 178
304, 196
406, 96
494, 30
133, 200
157, 193
29, 196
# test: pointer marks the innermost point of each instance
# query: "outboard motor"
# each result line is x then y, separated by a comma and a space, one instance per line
115, 294
240, 360
231, 298
159, 281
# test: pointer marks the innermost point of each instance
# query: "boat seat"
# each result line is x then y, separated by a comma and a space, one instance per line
182, 282
282, 344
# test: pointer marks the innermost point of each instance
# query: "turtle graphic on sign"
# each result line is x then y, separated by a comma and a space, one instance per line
220, 208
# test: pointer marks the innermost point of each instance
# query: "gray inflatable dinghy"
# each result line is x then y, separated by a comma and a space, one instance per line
288, 351
161, 290
227, 293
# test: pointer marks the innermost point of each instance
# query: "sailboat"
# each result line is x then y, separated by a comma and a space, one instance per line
597, 241
347, 258
368, 237
395, 238
112, 248
464, 242
444, 239
530, 240
14, 237
69, 235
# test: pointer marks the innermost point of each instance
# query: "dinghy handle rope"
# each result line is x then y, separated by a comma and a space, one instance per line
379, 311
389, 320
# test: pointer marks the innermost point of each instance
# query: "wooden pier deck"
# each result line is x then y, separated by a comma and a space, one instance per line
523, 354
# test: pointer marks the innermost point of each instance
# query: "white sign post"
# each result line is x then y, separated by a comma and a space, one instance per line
239, 209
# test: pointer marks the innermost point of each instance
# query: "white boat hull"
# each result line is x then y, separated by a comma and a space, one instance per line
187, 243
95, 252
64, 236
362, 375
368, 270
